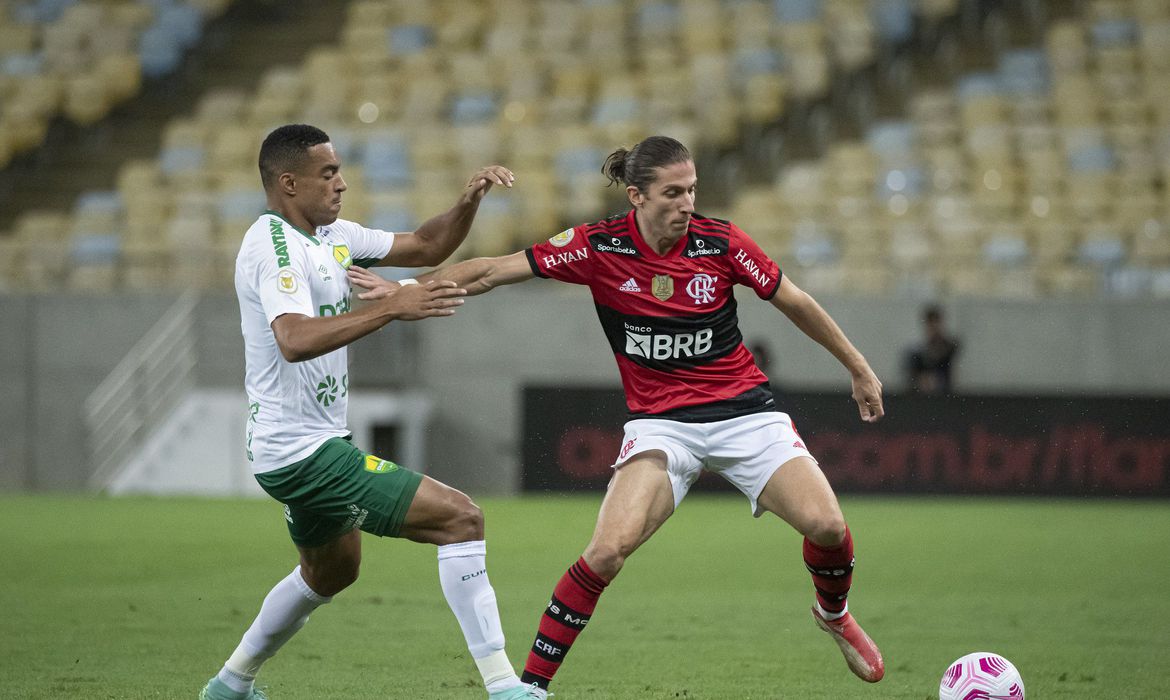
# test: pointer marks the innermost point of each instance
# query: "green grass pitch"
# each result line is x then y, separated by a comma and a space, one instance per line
145, 598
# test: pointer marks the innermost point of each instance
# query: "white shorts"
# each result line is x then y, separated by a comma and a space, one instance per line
746, 451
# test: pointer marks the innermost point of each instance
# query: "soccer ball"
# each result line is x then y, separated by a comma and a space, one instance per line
981, 676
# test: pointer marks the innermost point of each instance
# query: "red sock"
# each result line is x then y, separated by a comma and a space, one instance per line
832, 571
573, 601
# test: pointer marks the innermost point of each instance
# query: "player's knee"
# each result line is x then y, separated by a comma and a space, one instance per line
607, 559
465, 523
347, 574
827, 530
329, 579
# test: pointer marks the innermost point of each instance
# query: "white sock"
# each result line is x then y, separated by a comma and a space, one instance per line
463, 577
285, 610
832, 615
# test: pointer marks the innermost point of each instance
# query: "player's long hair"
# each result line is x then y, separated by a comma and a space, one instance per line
636, 165
285, 148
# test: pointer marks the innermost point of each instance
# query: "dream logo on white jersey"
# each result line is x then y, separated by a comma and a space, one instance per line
701, 288
286, 281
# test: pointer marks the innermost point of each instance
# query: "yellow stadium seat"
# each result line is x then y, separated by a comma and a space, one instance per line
86, 99
1066, 47
1150, 243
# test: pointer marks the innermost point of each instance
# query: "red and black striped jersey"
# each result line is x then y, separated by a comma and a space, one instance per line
670, 319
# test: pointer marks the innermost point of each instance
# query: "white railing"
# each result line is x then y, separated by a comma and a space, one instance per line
142, 390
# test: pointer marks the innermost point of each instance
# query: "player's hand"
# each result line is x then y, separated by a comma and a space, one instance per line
376, 286
414, 302
484, 178
867, 392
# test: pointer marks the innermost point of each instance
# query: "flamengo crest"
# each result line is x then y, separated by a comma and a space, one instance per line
702, 288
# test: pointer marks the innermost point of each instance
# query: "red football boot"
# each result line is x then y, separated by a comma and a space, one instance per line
862, 655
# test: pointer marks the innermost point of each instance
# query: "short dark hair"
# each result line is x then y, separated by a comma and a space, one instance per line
636, 166
285, 149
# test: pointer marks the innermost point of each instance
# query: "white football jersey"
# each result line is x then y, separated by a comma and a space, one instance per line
295, 406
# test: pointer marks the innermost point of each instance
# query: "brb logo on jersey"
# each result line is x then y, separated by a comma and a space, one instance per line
701, 288
642, 341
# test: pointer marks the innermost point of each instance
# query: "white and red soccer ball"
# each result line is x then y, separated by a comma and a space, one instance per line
981, 676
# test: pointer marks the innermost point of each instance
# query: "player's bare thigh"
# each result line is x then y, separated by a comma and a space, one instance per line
441, 515
800, 494
639, 499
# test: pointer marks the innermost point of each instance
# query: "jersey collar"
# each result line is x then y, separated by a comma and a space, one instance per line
311, 237
646, 249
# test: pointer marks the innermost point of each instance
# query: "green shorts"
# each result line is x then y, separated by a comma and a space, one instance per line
339, 488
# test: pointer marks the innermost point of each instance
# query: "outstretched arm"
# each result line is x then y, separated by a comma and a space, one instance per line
815, 322
439, 236
476, 276
302, 337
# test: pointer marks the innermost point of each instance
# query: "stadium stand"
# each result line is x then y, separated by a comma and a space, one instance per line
1033, 163
80, 58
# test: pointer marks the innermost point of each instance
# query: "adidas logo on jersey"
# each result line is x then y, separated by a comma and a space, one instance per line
629, 286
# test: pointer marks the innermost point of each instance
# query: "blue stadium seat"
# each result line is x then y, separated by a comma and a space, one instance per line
891, 141
756, 61
47, 11
180, 159
95, 249
406, 39
908, 180
658, 18
978, 85
474, 107
386, 161
394, 219
812, 246
615, 109
893, 19
1120, 31
1023, 72
1102, 252
158, 52
22, 64
240, 205
182, 22
1006, 251
1091, 157
575, 161
796, 11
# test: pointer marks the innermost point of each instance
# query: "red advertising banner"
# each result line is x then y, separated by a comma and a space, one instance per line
1054, 445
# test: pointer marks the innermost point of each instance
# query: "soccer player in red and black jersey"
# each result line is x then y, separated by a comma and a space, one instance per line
662, 279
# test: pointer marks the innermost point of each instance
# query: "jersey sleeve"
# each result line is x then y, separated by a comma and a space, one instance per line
751, 266
283, 285
367, 246
566, 257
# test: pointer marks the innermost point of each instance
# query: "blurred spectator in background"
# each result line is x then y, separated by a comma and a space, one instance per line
929, 364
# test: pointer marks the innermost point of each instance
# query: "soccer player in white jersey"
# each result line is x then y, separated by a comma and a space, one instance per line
296, 319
